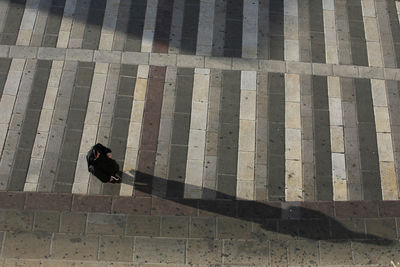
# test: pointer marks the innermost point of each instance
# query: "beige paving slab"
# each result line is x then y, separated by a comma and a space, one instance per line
135, 127
197, 134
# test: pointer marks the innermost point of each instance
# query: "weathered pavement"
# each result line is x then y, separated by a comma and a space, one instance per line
288, 106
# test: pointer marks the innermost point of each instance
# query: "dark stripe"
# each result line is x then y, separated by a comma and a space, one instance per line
190, 27
322, 140
180, 132
150, 130
163, 26
73, 131
357, 34
307, 136
121, 119
276, 137
317, 31
304, 31
53, 23
276, 26
121, 26
219, 28
29, 127
370, 174
134, 31
94, 22
395, 29
342, 32
4, 68
351, 143
233, 28
393, 92
228, 135
13, 22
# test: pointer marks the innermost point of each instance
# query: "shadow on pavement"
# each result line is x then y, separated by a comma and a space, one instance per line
295, 221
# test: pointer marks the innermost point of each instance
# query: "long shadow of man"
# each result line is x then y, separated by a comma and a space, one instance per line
293, 220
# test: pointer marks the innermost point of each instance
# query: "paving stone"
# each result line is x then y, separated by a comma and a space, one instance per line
170, 250
46, 221
116, 248
107, 56
14, 220
356, 209
110, 224
379, 252
329, 252
22, 263
135, 58
233, 228
27, 245
245, 252
381, 228
138, 225
79, 54
75, 247
177, 227
204, 251
12, 200
57, 202
136, 206
202, 227
73, 222
91, 203
23, 52
303, 252
50, 53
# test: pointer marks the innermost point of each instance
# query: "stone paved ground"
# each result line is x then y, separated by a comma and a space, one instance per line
274, 120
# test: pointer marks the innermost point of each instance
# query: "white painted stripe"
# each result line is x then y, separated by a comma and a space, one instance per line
293, 157
205, 28
384, 139
165, 134
109, 23
339, 174
374, 49
247, 135
89, 134
41, 138
8, 98
66, 24
331, 45
291, 30
149, 26
28, 22
197, 134
250, 29
135, 127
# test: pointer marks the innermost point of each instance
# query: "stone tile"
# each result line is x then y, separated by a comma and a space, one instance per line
51, 53
245, 64
79, 55
204, 251
189, 61
233, 228
29, 245
116, 248
23, 52
21, 263
91, 203
345, 71
272, 66
171, 207
389, 208
202, 227
46, 221
138, 225
348, 229
12, 200
4, 50
48, 201
177, 227
298, 67
378, 252
14, 220
75, 247
218, 63
128, 205
356, 209
330, 251
246, 252
73, 222
279, 253
107, 56
322, 69
370, 72
162, 59
109, 224
169, 250
381, 228
303, 252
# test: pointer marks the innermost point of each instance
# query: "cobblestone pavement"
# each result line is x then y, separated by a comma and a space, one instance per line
249, 132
